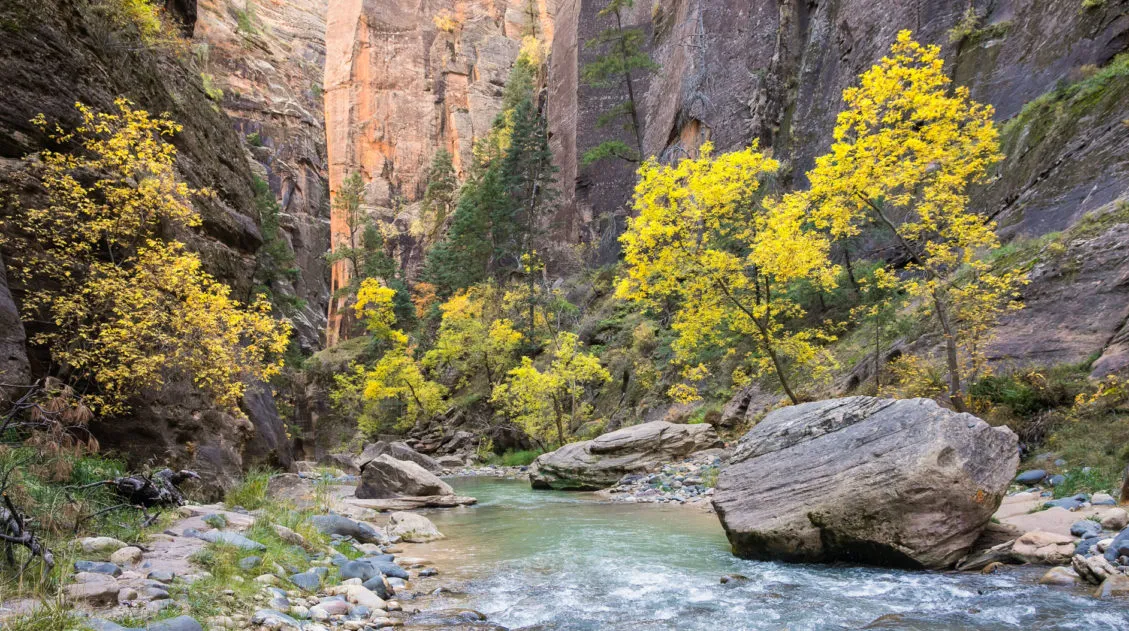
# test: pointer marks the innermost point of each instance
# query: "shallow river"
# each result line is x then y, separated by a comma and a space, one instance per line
565, 561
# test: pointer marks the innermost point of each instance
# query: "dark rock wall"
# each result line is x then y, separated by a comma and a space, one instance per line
56, 52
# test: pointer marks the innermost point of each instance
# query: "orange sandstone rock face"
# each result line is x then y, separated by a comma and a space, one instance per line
402, 80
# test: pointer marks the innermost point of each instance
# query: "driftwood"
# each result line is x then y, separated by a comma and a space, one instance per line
142, 493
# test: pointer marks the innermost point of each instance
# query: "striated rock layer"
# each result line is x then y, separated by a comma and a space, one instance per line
596, 464
267, 58
903, 483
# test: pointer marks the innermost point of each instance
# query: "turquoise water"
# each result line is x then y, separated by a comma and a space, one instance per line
558, 561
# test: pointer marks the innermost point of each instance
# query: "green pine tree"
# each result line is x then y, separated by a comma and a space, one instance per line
621, 57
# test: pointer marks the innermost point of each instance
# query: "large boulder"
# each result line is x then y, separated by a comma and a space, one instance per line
864, 480
397, 450
596, 464
386, 476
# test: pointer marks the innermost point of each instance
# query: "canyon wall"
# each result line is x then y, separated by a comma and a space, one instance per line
246, 90
736, 71
263, 61
404, 78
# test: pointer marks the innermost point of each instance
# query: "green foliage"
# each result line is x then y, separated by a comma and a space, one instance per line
516, 458
211, 90
274, 261
131, 311
245, 19
1092, 4
610, 149
251, 492
255, 140
438, 199
1076, 97
1096, 479
555, 399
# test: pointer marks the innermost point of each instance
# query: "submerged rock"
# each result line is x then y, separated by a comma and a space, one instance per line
385, 476
894, 483
599, 463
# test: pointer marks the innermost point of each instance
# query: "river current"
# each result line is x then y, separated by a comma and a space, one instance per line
570, 562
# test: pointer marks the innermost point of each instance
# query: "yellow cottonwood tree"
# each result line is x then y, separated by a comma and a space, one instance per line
127, 310
907, 147
376, 308
694, 244
397, 378
541, 401
471, 341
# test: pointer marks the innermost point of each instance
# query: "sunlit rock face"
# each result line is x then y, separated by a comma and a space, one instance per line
262, 61
404, 79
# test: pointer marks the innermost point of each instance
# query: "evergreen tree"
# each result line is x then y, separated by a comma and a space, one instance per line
439, 199
621, 55
364, 249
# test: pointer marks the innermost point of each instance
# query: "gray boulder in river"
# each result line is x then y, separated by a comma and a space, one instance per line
385, 476
399, 451
596, 464
902, 483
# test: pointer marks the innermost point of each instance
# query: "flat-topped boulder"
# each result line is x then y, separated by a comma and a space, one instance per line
386, 477
903, 483
599, 463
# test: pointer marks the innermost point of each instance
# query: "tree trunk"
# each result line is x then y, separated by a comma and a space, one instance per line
951, 358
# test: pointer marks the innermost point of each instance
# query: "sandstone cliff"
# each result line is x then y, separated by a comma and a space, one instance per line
404, 79
266, 57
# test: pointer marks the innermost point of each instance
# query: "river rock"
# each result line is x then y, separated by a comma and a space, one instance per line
93, 592
599, 463
1085, 528
345, 527
412, 528
1059, 576
1118, 547
225, 537
385, 476
1031, 477
307, 581
1073, 502
275, 620
1114, 519
1103, 499
97, 567
1093, 569
902, 483
101, 545
358, 594
397, 450
1045, 548
128, 555
1114, 586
